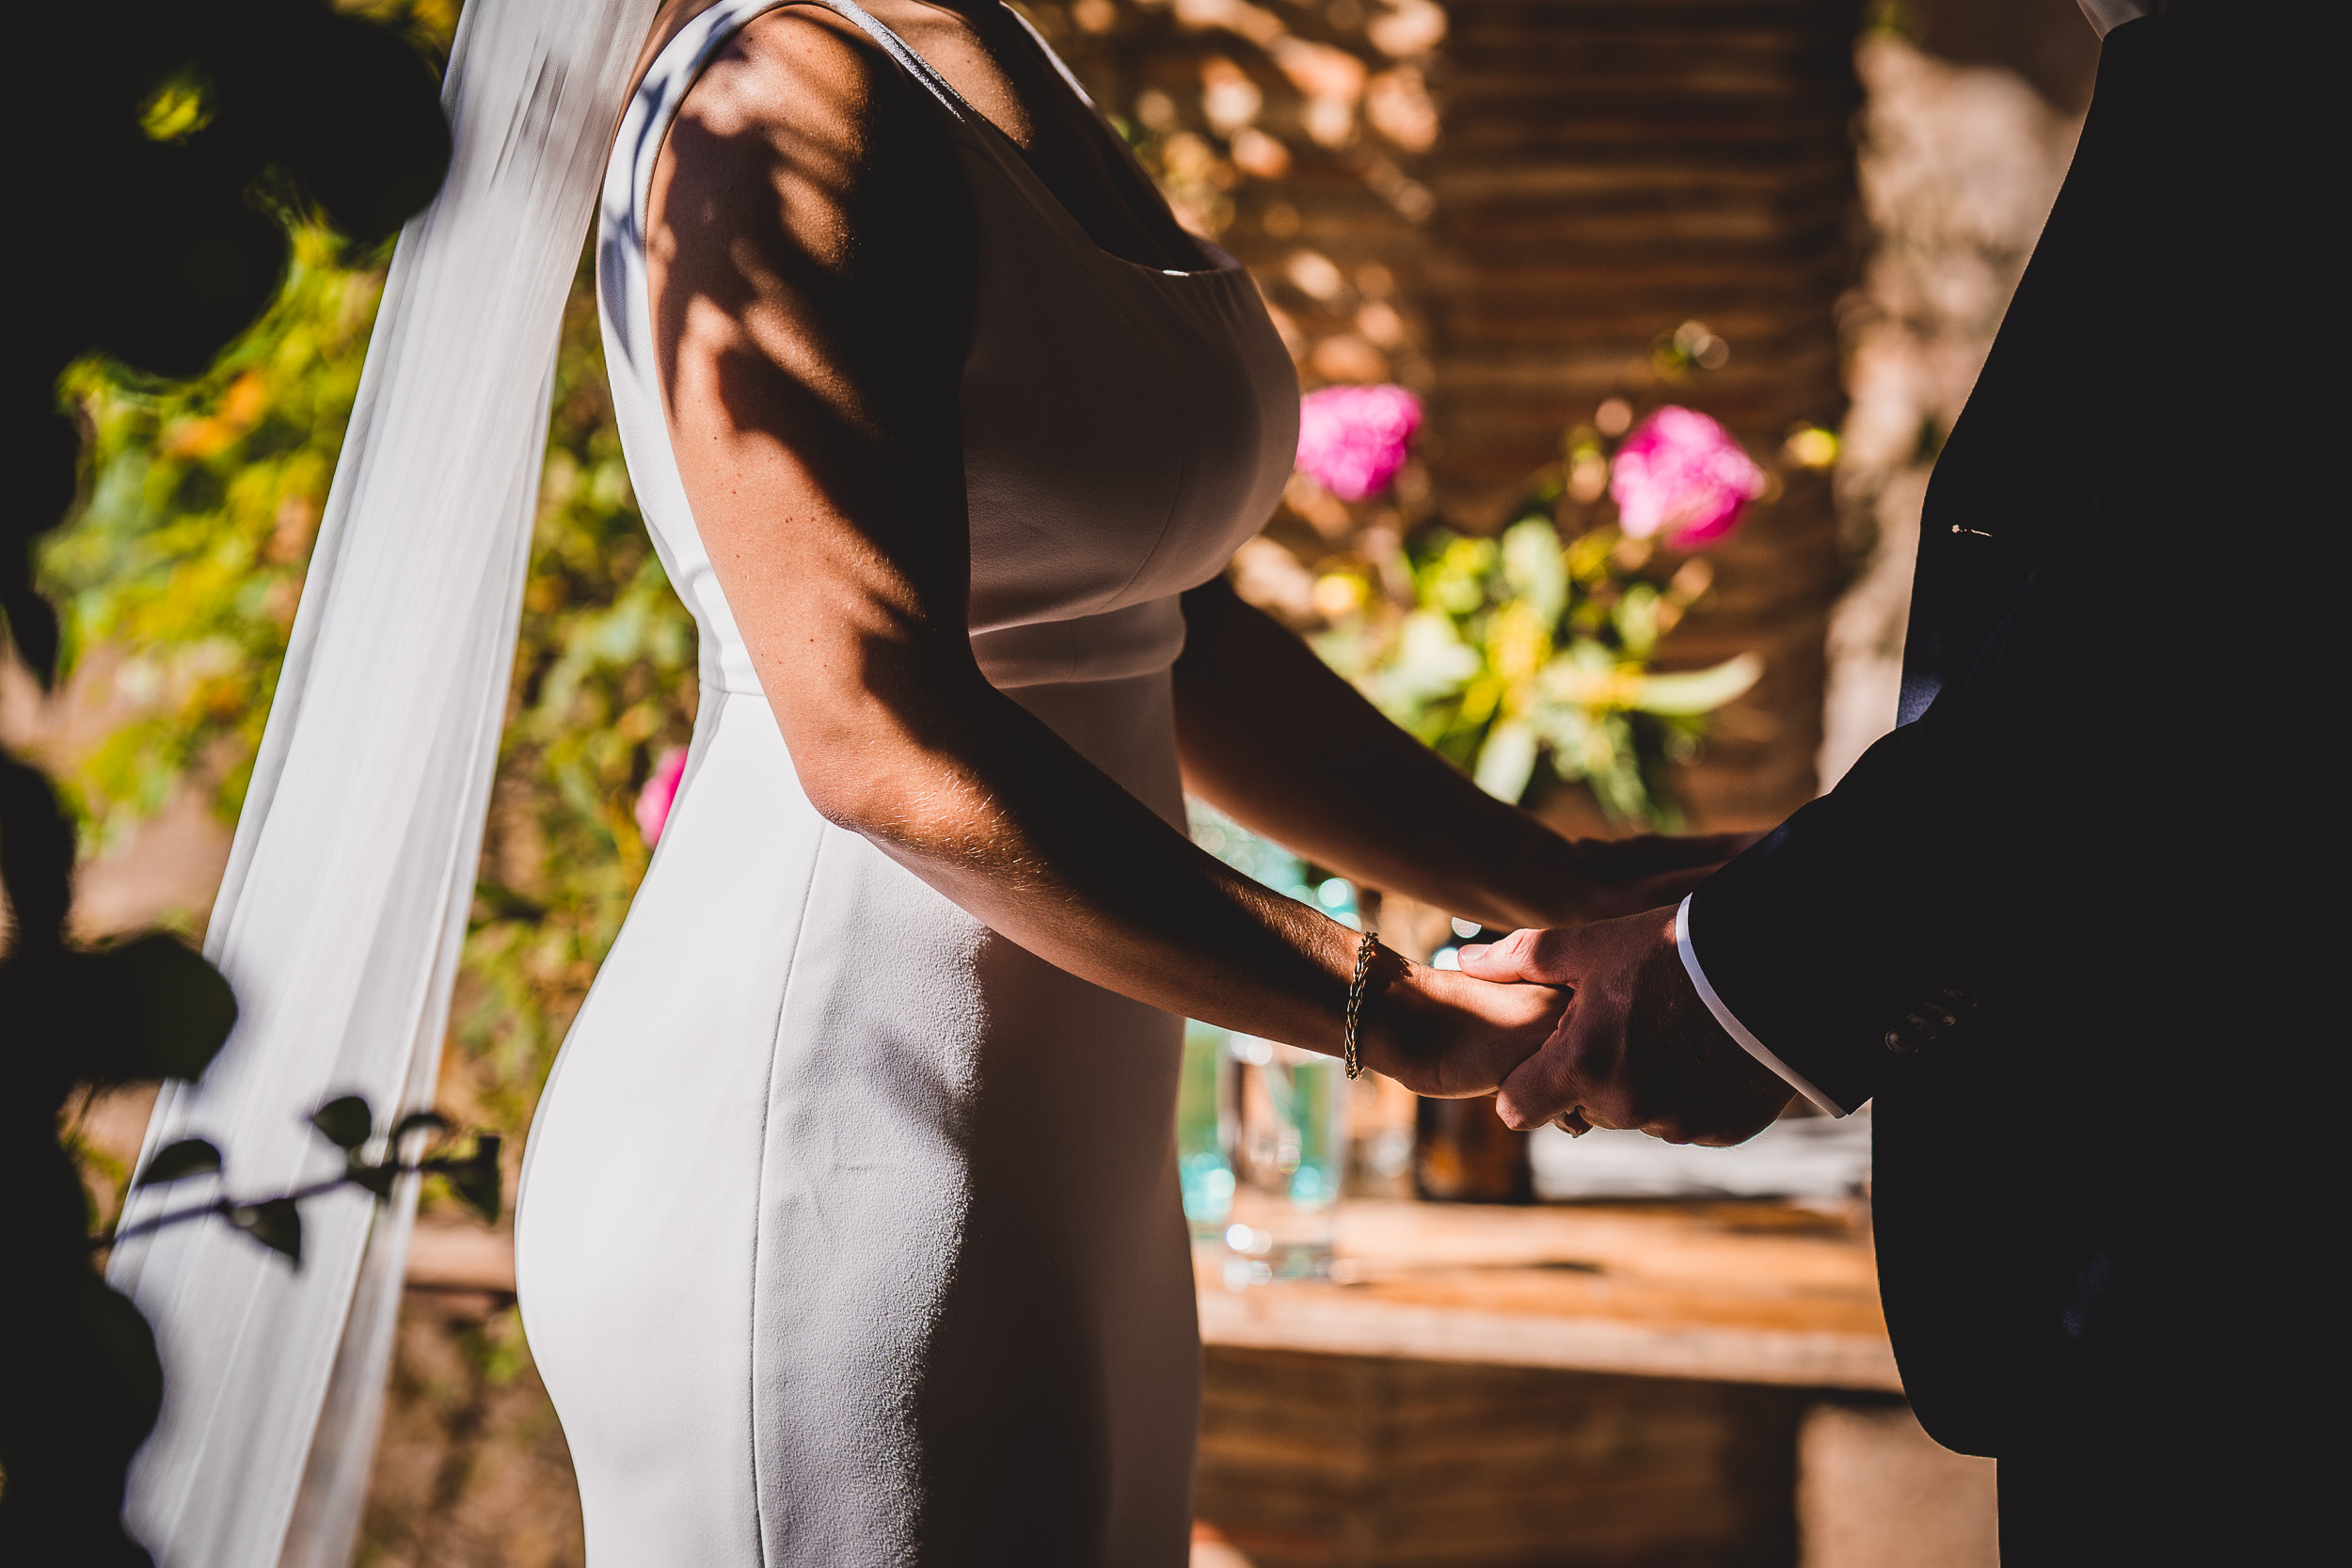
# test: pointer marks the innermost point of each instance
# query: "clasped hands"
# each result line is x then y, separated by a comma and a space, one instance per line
1625, 1040
1634, 1047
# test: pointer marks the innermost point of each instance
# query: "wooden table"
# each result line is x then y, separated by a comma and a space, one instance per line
1738, 1292
1601, 1387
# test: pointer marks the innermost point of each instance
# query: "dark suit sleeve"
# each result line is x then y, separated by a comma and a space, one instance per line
2010, 826
1940, 863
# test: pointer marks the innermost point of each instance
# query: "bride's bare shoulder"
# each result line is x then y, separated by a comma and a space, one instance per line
803, 132
803, 75
807, 201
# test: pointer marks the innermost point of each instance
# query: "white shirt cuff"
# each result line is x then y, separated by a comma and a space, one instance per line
1732, 1026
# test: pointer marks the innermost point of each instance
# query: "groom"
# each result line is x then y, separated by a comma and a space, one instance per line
1995, 930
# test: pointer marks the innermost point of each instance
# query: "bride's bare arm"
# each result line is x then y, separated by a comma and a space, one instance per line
812, 262
1274, 739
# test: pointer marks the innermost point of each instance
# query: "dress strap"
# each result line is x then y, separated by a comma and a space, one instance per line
1059, 65
915, 64
680, 63
681, 60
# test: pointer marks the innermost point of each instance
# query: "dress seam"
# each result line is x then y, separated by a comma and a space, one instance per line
1030, 192
1168, 523
759, 1201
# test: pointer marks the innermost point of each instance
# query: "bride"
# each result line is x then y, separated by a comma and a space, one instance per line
850, 1230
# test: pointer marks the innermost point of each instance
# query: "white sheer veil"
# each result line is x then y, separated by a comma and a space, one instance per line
347, 892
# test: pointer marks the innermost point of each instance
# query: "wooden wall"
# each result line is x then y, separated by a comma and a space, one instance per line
1503, 204
1607, 170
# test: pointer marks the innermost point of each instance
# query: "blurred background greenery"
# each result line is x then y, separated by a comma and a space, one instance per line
184, 571
178, 577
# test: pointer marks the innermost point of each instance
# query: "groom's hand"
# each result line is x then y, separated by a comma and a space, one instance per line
1636, 1047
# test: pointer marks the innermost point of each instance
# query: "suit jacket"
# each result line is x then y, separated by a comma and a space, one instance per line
1992, 927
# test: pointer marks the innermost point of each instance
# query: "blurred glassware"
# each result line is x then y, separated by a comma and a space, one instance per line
1262, 1129
1463, 1153
1290, 1159
1269, 864
1804, 1155
1204, 1131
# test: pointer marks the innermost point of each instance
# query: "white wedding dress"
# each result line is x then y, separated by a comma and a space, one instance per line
849, 1231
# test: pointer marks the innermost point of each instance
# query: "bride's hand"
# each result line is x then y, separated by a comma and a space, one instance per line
1626, 876
1443, 1034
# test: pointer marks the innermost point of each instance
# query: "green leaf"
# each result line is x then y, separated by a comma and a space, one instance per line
1507, 761
1637, 620
476, 1178
1432, 660
1535, 569
188, 1157
374, 1179
1698, 690
167, 1010
45, 1199
275, 1224
344, 1121
1566, 730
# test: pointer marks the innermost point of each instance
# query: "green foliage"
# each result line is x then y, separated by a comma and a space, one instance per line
477, 1180
418, 1121
1518, 651
344, 1121
185, 564
174, 141
348, 1122
1526, 657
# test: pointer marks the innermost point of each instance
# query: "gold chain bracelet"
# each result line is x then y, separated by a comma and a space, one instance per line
1365, 947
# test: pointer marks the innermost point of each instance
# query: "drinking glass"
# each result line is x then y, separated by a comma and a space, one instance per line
1261, 1128
1204, 1131
1289, 1159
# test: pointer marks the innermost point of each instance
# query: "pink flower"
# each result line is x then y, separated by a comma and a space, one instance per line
1682, 475
1352, 439
653, 801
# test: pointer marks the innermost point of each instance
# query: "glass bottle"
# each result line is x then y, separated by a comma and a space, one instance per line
1463, 1152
